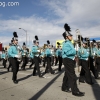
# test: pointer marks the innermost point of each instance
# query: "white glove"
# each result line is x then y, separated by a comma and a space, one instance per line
18, 47
17, 56
87, 52
94, 53
38, 50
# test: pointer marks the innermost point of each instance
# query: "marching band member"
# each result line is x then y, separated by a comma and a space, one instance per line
52, 57
45, 59
13, 54
98, 58
36, 52
24, 56
84, 55
4, 57
56, 58
42, 56
48, 58
9, 66
68, 55
59, 55
32, 59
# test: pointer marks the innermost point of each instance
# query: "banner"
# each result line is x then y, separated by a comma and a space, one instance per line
0, 46
60, 41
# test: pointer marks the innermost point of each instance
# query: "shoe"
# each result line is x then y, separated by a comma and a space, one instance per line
59, 70
79, 94
34, 75
82, 92
46, 72
98, 78
30, 66
16, 82
41, 77
23, 69
52, 72
90, 83
81, 81
67, 90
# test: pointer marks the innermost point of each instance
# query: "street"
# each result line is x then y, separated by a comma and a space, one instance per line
48, 88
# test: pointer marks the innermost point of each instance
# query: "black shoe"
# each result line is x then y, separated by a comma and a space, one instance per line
52, 72
82, 92
46, 72
79, 94
67, 90
90, 83
81, 81
59, 70
41, 76
34, 74
30, 66
23, 69
98, 78
16, 82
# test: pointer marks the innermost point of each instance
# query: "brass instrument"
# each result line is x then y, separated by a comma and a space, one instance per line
5, 55
25, 53
19, 53
77, 37
82, 52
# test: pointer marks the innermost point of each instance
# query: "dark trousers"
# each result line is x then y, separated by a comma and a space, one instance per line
32, 62
85, 69
15, 66
36, 67
44, 61
24, 59
69, 77
9, 66
4, 63
98, 64
92, 67
56, 60
52, 60
82, 72
48, 67
65, 84
60, 63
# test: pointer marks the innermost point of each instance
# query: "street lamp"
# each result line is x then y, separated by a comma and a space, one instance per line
26, 34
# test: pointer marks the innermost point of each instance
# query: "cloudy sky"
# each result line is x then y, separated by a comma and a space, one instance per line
46, 18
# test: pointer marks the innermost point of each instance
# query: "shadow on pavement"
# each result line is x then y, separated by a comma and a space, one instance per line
4, 72
37, 95
1, 67
26, 77
96, 90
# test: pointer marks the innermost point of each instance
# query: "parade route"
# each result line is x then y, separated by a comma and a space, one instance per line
48, 88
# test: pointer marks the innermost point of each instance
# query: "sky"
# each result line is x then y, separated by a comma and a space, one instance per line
46, 19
